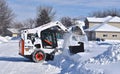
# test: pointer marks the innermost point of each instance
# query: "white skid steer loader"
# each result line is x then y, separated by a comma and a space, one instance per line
40, 44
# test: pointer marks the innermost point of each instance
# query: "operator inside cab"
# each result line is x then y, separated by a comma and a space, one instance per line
49, 39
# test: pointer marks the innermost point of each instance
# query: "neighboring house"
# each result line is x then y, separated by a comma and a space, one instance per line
103, 31
91, 21
12, 32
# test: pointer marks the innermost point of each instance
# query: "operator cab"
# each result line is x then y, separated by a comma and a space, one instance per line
49, 39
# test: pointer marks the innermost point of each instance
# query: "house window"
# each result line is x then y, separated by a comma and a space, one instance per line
114, 35
105, 35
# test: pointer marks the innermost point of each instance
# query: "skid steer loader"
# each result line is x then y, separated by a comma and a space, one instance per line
40, 44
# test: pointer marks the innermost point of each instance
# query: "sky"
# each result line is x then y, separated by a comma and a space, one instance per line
25, 9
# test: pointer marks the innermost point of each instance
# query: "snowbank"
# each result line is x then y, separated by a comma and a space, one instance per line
89, 62
3, 39
8, 37
109, 56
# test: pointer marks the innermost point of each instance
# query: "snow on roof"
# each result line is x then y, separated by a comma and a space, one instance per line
13, 30
95, 19
115, 19
104, 27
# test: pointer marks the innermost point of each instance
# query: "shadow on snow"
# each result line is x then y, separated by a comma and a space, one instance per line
14, 59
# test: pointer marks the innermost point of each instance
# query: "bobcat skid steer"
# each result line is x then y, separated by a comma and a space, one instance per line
40, 44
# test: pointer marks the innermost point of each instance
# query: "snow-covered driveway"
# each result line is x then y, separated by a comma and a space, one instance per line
12, 63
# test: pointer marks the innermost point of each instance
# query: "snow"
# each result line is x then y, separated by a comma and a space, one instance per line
105, 19
12, 63
2, 39
115, 19
96, 19
80, 23
112, 68
104, 27
111, 55
8, 37
106, 53
13, 30
98, 58
108, 61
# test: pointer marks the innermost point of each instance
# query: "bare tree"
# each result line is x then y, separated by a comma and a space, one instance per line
104, 13
45, 15
6, 16
29, 23
67, 21
17, 25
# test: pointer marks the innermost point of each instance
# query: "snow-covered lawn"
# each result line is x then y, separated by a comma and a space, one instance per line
98, 58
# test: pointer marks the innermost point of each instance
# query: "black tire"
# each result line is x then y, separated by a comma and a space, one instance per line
38, 56
49, 57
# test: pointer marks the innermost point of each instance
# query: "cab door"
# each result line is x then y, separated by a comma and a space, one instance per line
49, 39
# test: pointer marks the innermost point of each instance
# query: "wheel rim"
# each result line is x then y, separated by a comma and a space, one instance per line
39, 56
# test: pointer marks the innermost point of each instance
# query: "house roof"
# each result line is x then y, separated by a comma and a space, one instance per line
108, 18
104, 27
13, 30
115, 19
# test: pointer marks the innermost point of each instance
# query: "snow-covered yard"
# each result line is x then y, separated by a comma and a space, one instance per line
99, 58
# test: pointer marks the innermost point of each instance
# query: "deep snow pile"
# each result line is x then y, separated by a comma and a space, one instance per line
8, 37
67, 65
3, 39
76, 64
81, 64
111, 55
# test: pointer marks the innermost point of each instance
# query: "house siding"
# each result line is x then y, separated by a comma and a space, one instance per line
93, 35
14, 35
91, 24
108, 35
116, 24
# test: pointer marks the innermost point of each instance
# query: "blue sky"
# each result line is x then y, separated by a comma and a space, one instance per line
25, 9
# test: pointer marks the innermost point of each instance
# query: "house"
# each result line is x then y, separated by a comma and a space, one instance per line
103, 31
12, 32
91, 21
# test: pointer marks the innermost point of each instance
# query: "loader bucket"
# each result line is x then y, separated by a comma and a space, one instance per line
76, 49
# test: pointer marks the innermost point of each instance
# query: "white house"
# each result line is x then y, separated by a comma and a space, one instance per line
103, 31
12, 32
91, 21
